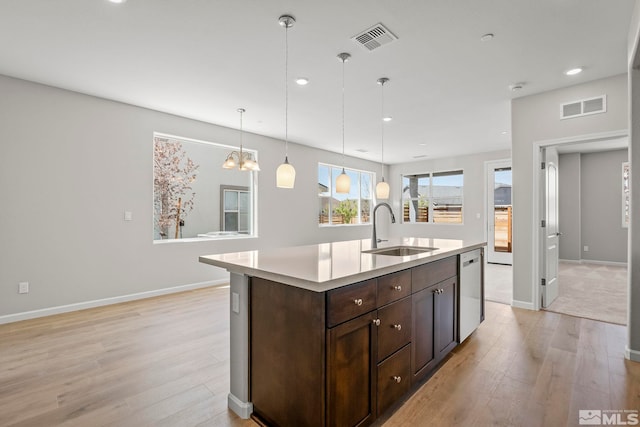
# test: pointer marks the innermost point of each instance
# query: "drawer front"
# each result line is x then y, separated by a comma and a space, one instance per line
394, 330
350, 301
393, 287
394, 378
426, 275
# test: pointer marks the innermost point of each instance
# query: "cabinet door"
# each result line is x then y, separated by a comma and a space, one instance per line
445, 317
423, 356
352, 372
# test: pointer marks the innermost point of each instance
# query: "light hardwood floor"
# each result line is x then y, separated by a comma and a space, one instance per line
165, 361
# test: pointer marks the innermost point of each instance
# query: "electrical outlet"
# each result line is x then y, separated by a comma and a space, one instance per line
586, 248
235, 302
23, 287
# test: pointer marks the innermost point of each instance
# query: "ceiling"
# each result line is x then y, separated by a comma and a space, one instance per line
448, 92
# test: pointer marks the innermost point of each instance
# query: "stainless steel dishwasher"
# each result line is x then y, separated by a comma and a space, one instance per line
471, 306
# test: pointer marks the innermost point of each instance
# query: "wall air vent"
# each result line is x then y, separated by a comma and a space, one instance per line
583, 107
374, 37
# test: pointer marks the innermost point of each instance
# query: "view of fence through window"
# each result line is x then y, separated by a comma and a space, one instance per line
433, 197
348, 208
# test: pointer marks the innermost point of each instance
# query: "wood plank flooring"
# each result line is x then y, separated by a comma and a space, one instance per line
165, 362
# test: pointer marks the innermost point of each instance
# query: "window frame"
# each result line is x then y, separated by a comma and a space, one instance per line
430, 197
330, 197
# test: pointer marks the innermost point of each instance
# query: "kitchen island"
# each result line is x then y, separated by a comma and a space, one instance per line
336, 333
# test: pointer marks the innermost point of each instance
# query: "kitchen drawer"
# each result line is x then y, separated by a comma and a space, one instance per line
394, 286
429, 274
394, 378
394, 330
350, 301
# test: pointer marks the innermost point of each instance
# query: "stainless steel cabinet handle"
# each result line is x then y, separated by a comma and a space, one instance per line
397, 288
376, 322
397, 378
358, 301
398, 327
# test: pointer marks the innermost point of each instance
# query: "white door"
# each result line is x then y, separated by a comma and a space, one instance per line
499, 212
550, 233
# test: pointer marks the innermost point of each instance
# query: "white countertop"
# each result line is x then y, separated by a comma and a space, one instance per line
327, 266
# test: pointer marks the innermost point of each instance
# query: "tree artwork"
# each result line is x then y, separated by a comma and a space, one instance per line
173, 174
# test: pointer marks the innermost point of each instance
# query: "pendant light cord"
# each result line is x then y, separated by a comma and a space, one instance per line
343, 156
286, 92
382, 132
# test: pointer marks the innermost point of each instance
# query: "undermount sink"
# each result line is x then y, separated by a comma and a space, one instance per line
400, 250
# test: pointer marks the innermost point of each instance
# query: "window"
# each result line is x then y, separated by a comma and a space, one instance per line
235, 209
194, 197
338, 209
433, 197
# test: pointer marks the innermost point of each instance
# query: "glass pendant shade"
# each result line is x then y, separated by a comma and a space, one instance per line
343, 183
229, 163
382, 190
285, 175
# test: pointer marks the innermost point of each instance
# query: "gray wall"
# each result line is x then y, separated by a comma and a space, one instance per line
536, 118
569, 205
601, 207
71, 164
474, 202
591, 206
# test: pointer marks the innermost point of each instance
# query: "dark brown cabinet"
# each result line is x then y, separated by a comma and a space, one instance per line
343, 357
445, 316
351, 372
434, 316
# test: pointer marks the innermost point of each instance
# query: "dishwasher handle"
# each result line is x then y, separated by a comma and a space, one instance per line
471, 261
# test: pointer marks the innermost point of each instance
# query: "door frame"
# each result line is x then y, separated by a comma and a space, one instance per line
488, 165
537, 233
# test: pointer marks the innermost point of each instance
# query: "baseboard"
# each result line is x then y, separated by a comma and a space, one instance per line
16, 317
570, 261
633, 355
612, 263
522, 304
243, 409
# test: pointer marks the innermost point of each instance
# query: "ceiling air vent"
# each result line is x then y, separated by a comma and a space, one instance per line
374, 37
584, 107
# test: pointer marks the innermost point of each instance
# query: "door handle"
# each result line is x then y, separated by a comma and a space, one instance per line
558, 234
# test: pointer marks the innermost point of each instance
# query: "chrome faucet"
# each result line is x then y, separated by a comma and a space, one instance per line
374, 238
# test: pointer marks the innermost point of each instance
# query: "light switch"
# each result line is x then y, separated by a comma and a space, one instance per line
128, 216
478, 215
235, 302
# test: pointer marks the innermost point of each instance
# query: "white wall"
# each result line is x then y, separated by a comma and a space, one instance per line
474, 199
71, 164
536, 118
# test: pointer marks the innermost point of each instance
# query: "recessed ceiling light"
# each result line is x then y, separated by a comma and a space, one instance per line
516, 87
117, 1
422, 144
504, 132
573, 71
302, 81
387, 119
486, 37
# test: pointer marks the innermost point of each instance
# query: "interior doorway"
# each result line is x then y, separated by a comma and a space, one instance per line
499, 212
585, 281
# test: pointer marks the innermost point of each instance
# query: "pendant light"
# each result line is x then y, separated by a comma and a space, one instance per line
343, 182
286, 173
242, 159
382, 188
